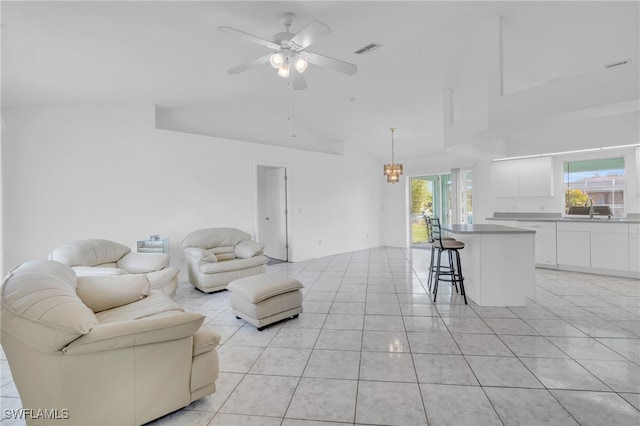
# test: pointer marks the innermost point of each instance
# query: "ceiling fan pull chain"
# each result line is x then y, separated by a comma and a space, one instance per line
291, 117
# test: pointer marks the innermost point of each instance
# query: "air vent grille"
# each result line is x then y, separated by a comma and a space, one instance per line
617, 63
368, 48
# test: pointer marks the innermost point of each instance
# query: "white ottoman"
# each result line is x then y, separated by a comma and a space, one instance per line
264, 299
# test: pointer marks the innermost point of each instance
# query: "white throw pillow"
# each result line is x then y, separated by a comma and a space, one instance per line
248, 248
106, 292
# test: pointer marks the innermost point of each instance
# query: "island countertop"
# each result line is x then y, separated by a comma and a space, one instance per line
498, 263
485, 229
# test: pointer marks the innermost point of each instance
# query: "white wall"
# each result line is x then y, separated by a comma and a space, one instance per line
105, 172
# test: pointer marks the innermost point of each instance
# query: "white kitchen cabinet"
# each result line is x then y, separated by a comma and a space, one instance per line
573, 244
634, 247
545, 241
504, 176
527, 177
610, 246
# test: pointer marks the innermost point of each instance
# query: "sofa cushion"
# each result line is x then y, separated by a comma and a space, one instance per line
248, 248
215, 237
225, 256
141, 263
89, 252
40, 306
232, 265
201, 255
156, 304
106, 292
222, 250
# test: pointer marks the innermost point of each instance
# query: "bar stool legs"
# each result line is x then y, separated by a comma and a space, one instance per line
454, 272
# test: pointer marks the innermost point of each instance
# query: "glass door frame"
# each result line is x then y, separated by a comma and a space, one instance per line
441, 202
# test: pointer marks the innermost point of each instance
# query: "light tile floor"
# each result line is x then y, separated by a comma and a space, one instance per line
371, 348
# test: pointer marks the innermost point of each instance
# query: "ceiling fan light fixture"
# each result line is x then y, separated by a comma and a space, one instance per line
283, 70
276, 60
300, 64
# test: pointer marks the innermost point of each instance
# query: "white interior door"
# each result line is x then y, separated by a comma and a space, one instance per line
275, 214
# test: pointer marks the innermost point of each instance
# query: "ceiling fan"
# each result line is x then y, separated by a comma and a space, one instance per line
289, 55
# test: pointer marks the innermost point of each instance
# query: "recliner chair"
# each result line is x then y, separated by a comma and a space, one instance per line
104, 257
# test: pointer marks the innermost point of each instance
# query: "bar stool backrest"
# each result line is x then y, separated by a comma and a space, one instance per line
436, 232
427, 220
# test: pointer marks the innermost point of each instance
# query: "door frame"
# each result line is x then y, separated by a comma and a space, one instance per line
287, 196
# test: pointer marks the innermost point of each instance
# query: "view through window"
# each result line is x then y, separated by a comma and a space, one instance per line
431, 196
598, 182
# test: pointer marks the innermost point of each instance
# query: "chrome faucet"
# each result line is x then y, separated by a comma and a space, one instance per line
590, 203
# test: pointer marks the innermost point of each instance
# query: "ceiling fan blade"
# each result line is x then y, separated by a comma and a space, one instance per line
334, 64
255, 39
243, 67
310, 34
298, 81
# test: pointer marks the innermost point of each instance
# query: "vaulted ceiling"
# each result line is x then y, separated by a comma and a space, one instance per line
172, 55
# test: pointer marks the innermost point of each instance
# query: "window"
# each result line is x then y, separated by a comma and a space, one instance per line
599, 182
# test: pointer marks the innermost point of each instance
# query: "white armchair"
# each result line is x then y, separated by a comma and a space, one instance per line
217, 256
104, 257
102, 350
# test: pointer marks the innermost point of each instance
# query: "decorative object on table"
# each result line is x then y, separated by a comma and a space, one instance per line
393, 171
154, 244
104, 257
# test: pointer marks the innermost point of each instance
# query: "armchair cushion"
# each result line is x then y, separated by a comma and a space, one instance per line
106, 292
248, 248
213, 268
204, 256
89, 252
215, 237
41, 307
141, 263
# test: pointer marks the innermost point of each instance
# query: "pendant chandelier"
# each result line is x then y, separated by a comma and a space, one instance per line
392, 171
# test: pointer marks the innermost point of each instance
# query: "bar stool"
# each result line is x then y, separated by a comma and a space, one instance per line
430, 240
452, 273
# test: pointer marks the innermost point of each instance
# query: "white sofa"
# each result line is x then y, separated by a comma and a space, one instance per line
217, 256
104, 257
101, 349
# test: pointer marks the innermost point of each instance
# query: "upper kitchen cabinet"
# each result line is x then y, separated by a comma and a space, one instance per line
527, 177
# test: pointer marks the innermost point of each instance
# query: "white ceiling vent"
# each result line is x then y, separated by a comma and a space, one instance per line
617, 63
368, 48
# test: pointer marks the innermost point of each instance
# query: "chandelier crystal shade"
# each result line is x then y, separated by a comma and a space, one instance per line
393, 171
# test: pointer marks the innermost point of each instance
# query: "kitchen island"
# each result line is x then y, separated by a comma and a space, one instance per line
498, 263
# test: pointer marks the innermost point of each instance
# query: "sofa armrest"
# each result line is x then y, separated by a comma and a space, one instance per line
141, 263
124, 334
97, 270
205, 340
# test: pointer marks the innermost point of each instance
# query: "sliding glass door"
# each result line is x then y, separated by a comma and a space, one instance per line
431, 196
